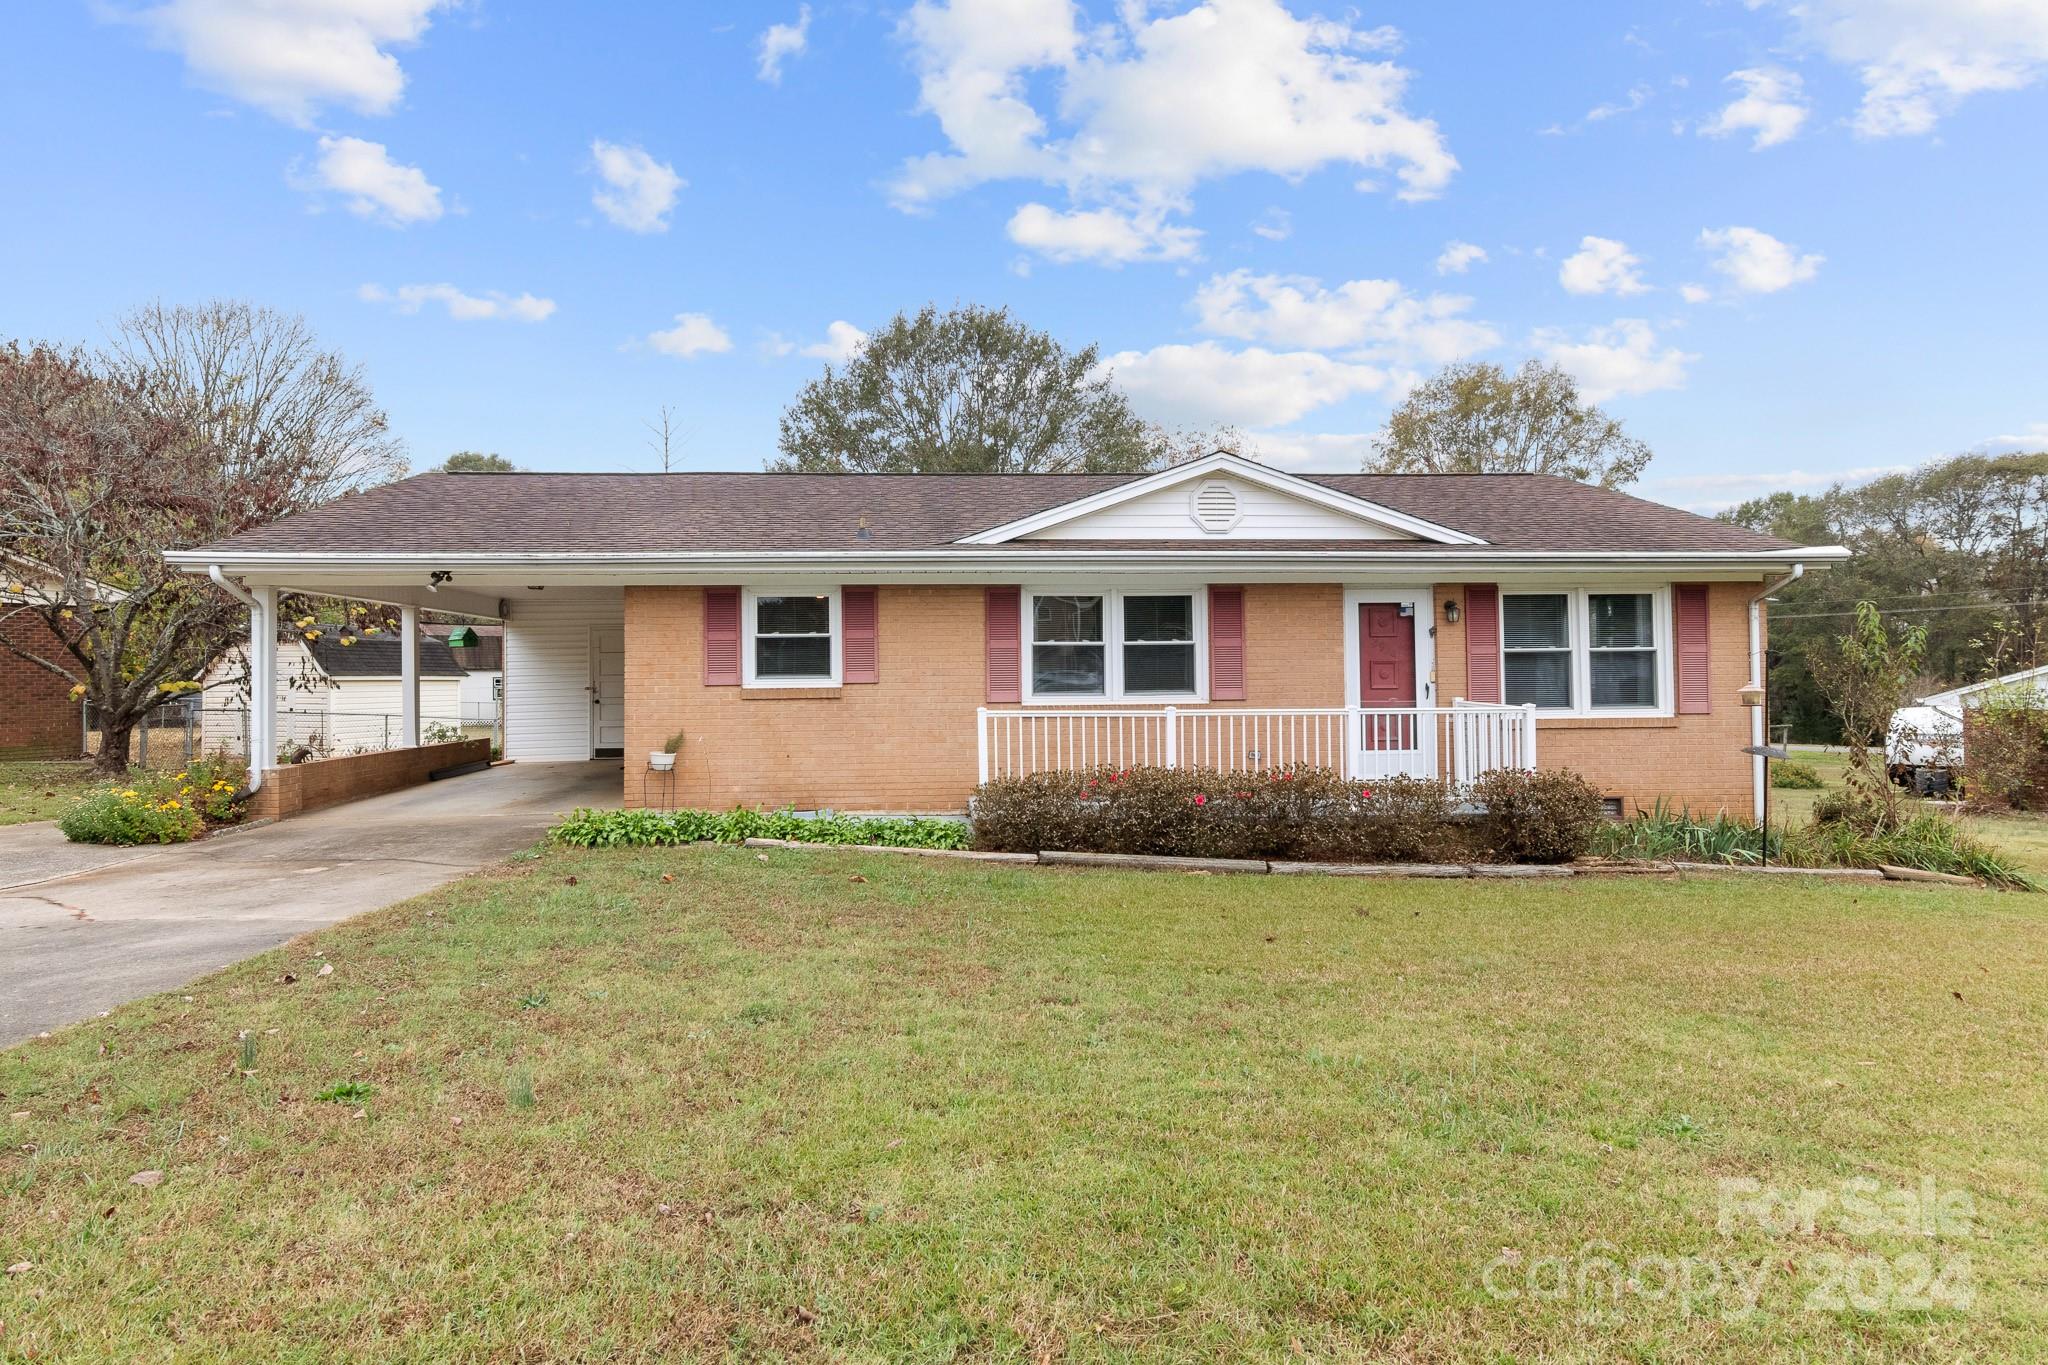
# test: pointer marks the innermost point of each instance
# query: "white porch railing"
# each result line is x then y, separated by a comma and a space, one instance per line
1459, 742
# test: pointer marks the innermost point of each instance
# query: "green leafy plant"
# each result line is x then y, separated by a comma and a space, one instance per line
1537, 817
158, 806
662, 828
2005, 752
245, 1052
533, 1001
1289, 813
346, 1092
1795, 776
519, 1090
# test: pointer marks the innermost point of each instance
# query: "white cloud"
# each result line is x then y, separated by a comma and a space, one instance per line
1718, 492
1335, 452
289, 57
1377, 320
1919, 59
1622, 358
371, 183
1104, 236
1206, 383
1459, 257
1757, 262
694, 334
488, 306
1638, 95
2034, 437
780, 42
638, 191
842, 343
1695, 293
1138, 112
1275, 225
1601, 266
1772, 106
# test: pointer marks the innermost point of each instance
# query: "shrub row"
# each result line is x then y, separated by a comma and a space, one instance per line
1298, 814
654, 828
156, 807
1844, 833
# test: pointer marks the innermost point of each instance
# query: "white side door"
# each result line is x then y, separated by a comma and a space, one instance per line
607, 690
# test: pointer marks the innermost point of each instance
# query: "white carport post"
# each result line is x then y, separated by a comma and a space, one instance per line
262, 685
409, 678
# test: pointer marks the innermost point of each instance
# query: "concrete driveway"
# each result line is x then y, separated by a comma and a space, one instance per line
84, 928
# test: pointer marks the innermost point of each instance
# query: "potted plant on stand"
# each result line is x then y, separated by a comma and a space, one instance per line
663, 760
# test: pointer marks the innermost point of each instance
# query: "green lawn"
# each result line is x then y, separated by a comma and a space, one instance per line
2022, 836
708, 1103
39, 791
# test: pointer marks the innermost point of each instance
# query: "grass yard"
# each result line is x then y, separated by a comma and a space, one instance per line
704, 1103
2020, 835
39, 791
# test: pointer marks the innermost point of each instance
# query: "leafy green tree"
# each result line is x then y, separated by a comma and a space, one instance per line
194, 424
1475, 418
968, 391
476, 462
1956, 546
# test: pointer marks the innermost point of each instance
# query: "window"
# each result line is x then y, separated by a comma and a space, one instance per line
1536, 650
1068, 657
791, 638
1159, 645
1586, 651
1115, 646
1623, 637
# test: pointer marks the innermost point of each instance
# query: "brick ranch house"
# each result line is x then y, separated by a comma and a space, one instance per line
884, 642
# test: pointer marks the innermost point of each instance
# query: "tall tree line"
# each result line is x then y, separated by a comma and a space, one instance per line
1959, 546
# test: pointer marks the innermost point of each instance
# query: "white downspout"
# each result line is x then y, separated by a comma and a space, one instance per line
1757, 682
262, 650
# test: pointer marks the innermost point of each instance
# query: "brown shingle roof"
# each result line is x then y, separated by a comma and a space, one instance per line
670, 513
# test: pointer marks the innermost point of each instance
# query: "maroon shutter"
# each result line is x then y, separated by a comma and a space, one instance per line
1226, 644
1695, 693
1005, 628
1482, 642
859, 656
721, 637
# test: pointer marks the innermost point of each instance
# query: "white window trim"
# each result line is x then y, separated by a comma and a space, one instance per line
1113, 644
748, 617
1578, 611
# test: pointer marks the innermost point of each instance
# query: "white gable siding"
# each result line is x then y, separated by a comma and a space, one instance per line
547, 670
1266, 515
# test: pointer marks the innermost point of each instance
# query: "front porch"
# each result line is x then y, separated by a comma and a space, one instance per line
1457, 743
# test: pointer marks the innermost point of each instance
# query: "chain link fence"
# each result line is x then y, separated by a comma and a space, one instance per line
179, 731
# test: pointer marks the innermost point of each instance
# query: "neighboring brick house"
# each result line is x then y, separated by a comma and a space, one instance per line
39, 718
883, 642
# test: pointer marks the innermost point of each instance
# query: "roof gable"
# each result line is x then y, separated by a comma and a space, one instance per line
1221, 498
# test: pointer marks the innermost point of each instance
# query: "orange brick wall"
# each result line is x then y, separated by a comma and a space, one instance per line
1694, 761
303, 787
906, 742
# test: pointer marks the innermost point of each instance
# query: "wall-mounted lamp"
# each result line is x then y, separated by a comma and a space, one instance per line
1451, 611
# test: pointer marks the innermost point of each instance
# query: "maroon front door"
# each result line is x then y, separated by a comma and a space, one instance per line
1386, 673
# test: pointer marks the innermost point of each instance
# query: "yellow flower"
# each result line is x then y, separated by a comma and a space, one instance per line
171, 803
130, 793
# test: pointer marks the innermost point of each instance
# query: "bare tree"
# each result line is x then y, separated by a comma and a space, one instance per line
665, 436
193, 425
1473, 418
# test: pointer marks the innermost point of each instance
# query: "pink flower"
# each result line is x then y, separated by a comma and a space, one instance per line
1201, 800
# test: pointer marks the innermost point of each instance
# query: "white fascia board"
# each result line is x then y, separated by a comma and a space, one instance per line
1208, 466
333, 572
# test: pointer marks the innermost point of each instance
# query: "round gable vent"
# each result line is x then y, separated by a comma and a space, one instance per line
1215, 508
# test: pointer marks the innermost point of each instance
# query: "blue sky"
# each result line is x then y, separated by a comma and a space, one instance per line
1783, 242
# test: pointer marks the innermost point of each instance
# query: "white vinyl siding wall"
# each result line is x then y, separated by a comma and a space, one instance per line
547, 670
1265, 515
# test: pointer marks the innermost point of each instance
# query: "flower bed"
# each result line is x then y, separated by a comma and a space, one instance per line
148, 807
1305, 815
646, 828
